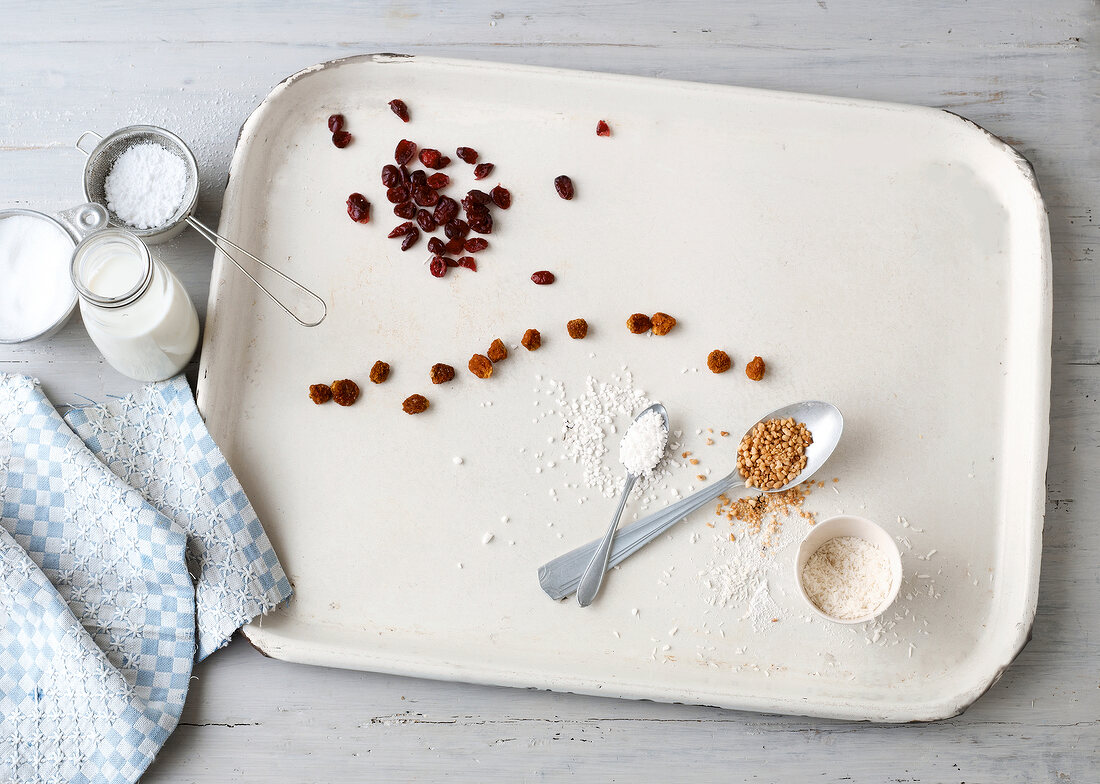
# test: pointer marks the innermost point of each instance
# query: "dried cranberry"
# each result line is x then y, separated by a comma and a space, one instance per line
543, 277
602, 128
468, 262
438, 267
456, 228
444, 162
390, 175
404, 152
475, 244
482, 170
400, 109
564, 186
410, 238
425, 196
481, 197
436, 247
406, 178
406, 210
400, 230
438, 180
341, 139
446, 210
418, 179
430, 157
454, 245
450, 262
472, 205
501, 197
336, 122
467, 154
359, 208
397, 194
426, 221
482, 224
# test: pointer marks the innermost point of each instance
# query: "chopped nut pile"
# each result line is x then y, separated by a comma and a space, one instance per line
766, 512
773, 453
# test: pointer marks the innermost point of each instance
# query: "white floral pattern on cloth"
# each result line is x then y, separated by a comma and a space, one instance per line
99, 610
156, 442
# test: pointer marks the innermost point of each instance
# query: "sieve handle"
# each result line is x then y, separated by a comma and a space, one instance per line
221, 243
84, 219
83, 136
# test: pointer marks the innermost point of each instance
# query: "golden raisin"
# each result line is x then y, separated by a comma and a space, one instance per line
577, 328
497, 351
755, 369
531, 340
662, 323
320, 393
414, 404
345, 391
718, 361
480, 366
440, 373
380, 372
638, 323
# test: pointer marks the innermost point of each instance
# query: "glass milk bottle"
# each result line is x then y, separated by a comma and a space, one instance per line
135, 310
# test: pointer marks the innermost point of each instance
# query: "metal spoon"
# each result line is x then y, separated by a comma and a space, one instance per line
592, 578
561, 576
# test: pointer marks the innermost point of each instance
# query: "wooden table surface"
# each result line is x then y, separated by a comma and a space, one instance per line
1027, 71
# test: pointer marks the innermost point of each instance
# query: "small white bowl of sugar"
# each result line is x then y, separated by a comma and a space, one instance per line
848, 569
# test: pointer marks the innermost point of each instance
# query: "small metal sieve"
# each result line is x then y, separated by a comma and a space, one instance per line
101, 159
107, 151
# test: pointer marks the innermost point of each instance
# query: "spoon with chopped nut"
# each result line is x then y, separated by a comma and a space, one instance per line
780, 451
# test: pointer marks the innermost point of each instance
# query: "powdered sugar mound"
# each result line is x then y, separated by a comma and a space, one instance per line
738, 575
589, 420
730, 584
644, 444
146, 185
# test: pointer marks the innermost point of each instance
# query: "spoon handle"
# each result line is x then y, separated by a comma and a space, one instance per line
561, 576
592, 578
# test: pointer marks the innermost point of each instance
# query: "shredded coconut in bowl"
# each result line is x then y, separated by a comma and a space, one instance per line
847, 577
644, 444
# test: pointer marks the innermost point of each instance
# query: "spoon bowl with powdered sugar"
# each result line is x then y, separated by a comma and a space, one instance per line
641, 450
780, 451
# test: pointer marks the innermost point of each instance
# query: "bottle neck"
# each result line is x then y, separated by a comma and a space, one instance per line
112, 269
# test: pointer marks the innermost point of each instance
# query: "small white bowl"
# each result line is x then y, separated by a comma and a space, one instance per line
849, 525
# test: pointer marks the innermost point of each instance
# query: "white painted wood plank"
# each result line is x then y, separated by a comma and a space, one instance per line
1025, 71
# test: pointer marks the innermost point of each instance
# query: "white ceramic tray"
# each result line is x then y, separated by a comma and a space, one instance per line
893, 260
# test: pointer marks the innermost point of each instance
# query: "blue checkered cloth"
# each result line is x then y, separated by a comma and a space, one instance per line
127, 551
